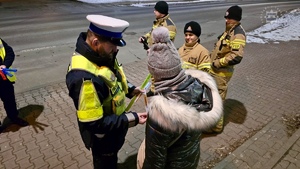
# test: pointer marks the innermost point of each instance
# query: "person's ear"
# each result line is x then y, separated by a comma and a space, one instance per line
95, 42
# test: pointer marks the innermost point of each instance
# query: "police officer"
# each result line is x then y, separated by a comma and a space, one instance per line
7, 93
98, 86
227, 53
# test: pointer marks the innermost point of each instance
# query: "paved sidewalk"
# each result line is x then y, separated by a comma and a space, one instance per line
263, 88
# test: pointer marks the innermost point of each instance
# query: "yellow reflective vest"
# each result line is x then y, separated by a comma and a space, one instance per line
2, 55
90, 107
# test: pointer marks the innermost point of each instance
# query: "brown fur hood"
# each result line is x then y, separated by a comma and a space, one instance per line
175, 115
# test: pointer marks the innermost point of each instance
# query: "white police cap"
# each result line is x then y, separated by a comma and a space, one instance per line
108, 27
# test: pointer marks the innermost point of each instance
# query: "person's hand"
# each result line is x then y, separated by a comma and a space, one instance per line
141, 39
2, 67
137, 91
142, 117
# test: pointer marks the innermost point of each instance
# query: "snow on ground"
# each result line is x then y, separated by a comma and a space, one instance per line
285, 28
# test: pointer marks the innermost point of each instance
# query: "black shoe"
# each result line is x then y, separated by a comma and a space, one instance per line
19, 121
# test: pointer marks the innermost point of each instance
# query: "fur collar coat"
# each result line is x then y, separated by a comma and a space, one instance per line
173, 128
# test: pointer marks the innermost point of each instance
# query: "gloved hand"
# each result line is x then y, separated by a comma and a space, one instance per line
144, 41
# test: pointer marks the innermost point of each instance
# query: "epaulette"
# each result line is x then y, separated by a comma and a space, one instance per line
239, 30
169, 22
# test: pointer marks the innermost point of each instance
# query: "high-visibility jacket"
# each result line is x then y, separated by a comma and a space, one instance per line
89, 106
194, 57
228, 51
2, 55
167, 22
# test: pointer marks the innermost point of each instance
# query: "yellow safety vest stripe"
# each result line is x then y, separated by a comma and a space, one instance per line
3, 54
89, 107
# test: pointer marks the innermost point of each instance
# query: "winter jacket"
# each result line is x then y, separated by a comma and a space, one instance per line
166, 22
176, 119
195, 57
228, 51
110, 130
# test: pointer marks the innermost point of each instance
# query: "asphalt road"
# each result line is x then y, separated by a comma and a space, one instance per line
43, 32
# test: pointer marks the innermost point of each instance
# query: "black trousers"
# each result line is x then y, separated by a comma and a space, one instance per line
7, 95
104, 161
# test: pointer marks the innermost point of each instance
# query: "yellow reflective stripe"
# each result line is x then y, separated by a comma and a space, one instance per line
147, 35
222, 61
187, 65
222, 37
2, 50
124, 79
239, 41
236, 44
89, 107
224, 74
118, 103
204, 66
172, 34
80, 62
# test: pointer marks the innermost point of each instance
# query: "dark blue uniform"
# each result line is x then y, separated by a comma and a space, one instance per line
7, 93
104, 149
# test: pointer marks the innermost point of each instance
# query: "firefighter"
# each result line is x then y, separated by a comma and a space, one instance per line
161, 12
7, 93
98, 86
192, 53
227, 53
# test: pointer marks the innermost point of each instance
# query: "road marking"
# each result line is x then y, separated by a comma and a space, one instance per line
36, 49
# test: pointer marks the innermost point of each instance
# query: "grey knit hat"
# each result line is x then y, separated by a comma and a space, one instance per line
163, 59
